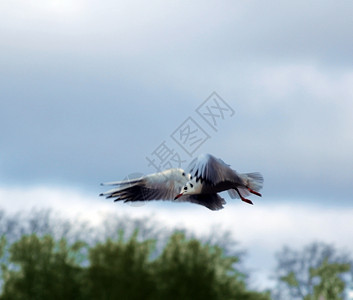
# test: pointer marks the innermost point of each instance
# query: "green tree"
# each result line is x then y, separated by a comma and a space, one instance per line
121, 270
147, 265
331, 285
188, 269
43, 270
316, 272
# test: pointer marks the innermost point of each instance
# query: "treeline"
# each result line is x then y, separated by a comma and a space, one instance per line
40, 266
121, 269
45, 257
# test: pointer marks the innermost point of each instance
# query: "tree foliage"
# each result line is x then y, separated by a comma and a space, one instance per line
42, 266
120, 270
188, 269
316, 272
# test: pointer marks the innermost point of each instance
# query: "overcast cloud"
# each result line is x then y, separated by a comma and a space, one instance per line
85, 87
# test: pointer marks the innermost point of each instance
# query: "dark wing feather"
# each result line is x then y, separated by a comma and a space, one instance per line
211, 170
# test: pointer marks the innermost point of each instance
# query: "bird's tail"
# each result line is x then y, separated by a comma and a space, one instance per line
253, 181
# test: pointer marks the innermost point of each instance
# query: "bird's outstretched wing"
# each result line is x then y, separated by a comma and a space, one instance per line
158, 186
211, 170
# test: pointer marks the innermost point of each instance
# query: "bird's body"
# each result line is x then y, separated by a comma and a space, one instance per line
206, 176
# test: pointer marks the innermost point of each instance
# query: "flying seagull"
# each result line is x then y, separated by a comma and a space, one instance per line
204, 178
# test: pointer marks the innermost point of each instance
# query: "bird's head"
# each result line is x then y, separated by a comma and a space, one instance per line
190, 188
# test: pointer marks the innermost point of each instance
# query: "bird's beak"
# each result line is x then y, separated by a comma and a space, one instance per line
178, 196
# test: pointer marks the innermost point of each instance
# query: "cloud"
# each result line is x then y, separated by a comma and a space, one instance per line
267, 221
180, 30
296, 131
90, 89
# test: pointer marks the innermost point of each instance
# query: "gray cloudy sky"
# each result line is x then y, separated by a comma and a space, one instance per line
88, 89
